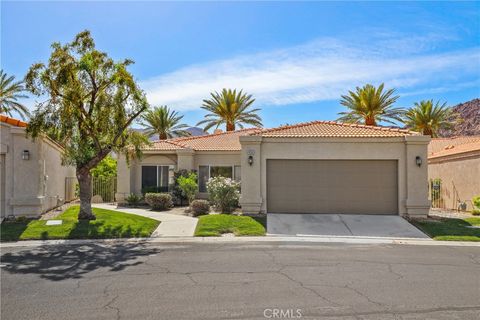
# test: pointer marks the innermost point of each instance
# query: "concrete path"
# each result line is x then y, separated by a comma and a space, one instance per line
341, 225
173, 225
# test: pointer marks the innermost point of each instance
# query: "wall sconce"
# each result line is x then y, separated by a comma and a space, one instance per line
418, 161
250, 160
25, 155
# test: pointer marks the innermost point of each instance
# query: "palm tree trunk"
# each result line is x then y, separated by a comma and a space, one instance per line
370, 121
163, 136
230, 126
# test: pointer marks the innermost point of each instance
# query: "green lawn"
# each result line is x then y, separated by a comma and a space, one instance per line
451, 229
215, 225
109, 224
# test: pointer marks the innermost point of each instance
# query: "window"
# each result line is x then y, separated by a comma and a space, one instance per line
156, 178
207, 172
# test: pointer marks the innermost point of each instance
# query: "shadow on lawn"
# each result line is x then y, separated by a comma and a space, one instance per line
57, 263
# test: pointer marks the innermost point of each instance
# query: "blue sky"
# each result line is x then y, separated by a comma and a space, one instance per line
295, 58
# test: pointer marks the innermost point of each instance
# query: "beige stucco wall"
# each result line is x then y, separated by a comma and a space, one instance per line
412, 180
32, 186
462, 174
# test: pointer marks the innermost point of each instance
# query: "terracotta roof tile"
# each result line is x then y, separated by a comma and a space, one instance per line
334, 129
225, 141
453, 146
12, 121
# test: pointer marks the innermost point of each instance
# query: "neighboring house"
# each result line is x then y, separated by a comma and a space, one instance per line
315, 167
456, 162
32, 179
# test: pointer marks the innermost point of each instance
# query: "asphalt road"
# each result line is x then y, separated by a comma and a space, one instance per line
241, 281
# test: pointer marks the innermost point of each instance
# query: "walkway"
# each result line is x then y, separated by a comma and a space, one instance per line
173, 225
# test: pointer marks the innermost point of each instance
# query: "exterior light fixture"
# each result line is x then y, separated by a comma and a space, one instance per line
418, 161
250, 160
25, 155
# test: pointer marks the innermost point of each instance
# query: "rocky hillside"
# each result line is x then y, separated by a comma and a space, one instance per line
469, 122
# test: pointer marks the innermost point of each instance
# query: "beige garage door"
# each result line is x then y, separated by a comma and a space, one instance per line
332, 186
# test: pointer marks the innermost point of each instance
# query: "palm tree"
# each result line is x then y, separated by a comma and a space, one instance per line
230, 108
10, 92
428, 118
164, 122
370, 105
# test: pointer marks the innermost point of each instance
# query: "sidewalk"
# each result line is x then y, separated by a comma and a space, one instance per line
172, 225
289, 240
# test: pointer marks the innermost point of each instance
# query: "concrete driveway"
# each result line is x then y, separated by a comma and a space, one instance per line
341, 225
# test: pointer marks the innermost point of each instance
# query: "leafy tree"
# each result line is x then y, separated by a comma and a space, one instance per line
92, 100
230, 108
370, 105
164, 122
428, 118
189, 186
106, 168
10, 92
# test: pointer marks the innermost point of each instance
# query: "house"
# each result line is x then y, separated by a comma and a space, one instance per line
454, 168
32, 179
314, 167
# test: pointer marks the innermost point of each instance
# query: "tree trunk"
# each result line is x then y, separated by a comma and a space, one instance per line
230, 126
370, 121
85, 182
162, 136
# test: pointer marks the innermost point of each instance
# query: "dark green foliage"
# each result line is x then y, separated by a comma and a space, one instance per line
199, 207
159, 201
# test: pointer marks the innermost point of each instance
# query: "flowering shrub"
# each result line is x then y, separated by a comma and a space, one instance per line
223, 193
159, 201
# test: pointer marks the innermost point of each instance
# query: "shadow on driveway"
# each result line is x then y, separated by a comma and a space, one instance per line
57, 263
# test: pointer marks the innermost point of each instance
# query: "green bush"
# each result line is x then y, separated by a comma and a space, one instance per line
189, 186
224, 193
476, 202
133, 199
159, 201
476, 212
199, 207
177, 193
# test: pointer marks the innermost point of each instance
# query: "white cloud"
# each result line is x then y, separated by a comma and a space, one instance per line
320, 70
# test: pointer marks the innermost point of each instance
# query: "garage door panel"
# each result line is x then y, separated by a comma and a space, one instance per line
332, 186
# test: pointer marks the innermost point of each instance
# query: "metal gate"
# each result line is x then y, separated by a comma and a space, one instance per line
436, 193
103, 189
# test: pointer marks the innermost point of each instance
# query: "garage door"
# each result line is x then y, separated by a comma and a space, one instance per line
332, 186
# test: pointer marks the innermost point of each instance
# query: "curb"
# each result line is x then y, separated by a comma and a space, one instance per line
243, 240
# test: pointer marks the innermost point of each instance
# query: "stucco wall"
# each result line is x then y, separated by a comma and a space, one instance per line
461, 174
254, 187
32, 186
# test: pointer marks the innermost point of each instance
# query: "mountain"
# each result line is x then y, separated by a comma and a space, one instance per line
469, 120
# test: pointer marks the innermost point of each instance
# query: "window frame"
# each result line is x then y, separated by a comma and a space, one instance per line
210, 172
159, 175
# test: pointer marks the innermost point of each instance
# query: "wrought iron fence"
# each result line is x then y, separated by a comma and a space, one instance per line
104, 188
436, 193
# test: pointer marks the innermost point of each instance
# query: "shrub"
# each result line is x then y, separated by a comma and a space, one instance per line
199, 207
223, 193
177, 193
159, 201
188, 185
476, 202
133, 199
476, 212
154, 189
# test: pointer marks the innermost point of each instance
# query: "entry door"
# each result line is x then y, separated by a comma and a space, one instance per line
332, 186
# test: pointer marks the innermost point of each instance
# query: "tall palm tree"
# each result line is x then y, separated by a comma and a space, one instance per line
370, 105
428, 118
10, 92
230, 108
164, 122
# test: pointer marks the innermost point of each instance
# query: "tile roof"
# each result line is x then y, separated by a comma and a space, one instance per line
225, 141
444, 147
334, 129
12, 121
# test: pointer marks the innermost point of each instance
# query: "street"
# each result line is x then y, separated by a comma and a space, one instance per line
240, 281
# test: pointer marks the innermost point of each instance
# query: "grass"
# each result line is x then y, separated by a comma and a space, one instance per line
109, 224
450, 229
215, 225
